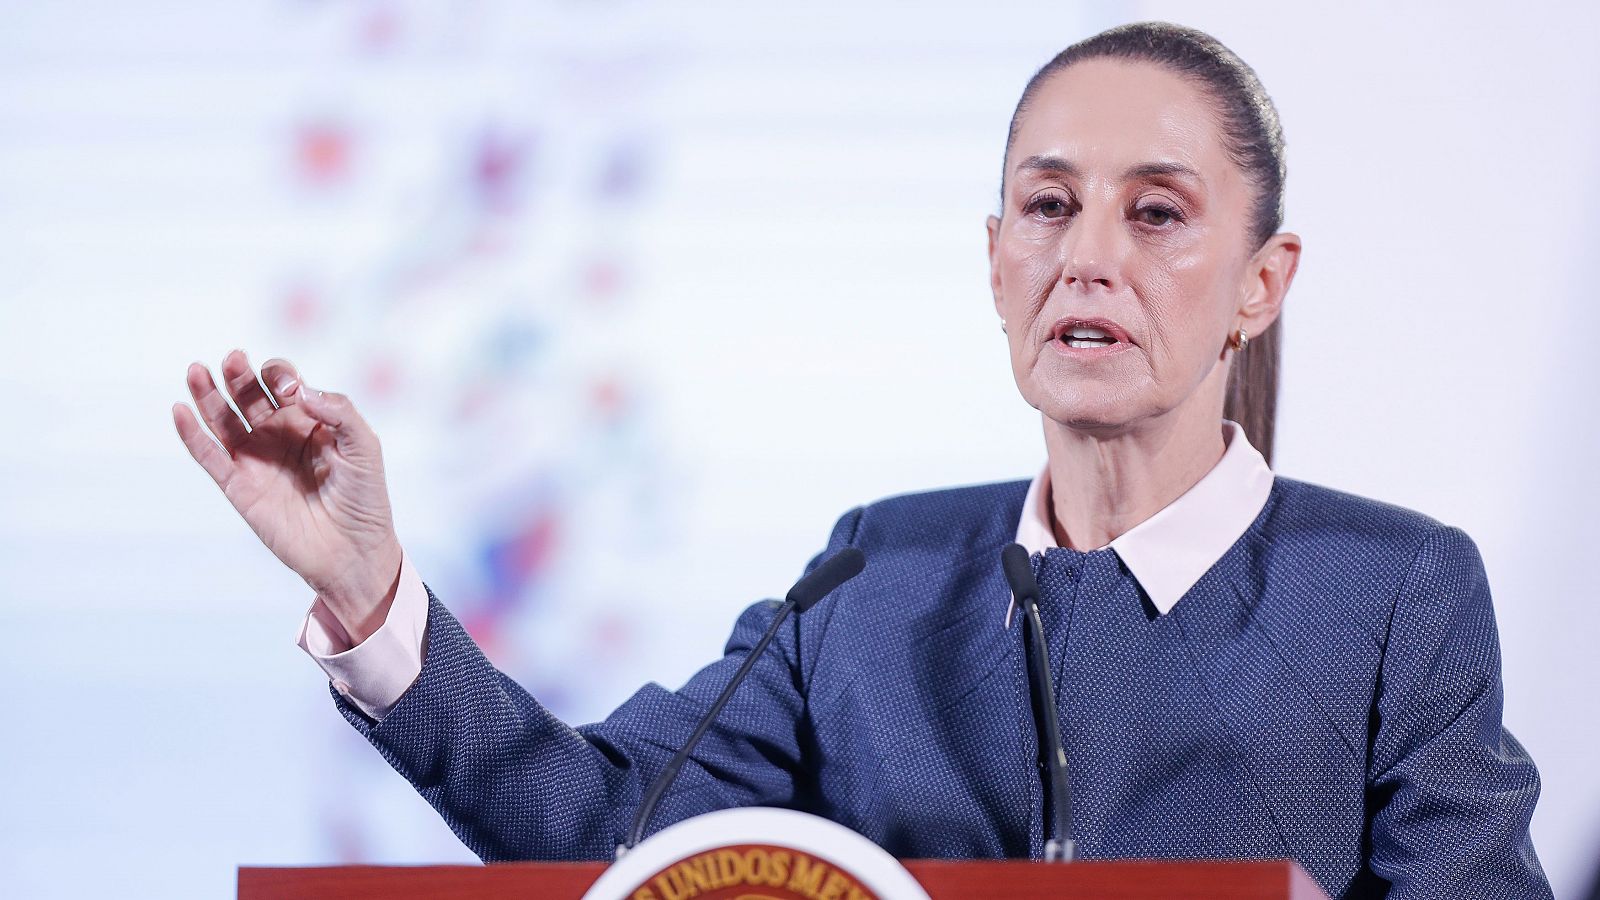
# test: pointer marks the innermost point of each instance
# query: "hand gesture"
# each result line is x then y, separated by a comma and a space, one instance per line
306, 472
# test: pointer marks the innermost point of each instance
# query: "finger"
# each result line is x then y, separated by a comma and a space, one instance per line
282, 381
351, 435
245, 389
214, 410
207, 452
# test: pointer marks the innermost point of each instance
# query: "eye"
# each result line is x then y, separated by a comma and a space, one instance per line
1158, 215
1050, 206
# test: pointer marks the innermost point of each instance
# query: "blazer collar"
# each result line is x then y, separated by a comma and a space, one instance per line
1168, 552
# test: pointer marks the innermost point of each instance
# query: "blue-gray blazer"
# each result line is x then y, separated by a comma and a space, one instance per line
1328, 691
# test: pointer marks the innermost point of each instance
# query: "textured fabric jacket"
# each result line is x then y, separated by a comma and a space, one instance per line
1329, 691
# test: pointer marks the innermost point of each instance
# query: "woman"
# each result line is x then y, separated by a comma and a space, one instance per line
1247, 665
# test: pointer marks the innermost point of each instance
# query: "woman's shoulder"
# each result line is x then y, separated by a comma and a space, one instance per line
1342, 528
964, 514
1330, 573
1306, 504
951, 498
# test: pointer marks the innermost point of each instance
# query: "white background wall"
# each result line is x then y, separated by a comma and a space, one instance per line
658, 291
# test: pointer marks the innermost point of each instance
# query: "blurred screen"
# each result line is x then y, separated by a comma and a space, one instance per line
640, 298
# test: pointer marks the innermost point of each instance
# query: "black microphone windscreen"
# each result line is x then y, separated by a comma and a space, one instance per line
1014, 559
834, 571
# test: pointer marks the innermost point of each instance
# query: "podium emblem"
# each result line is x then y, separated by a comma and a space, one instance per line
757, 853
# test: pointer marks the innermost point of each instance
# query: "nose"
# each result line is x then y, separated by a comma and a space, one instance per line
1092, 251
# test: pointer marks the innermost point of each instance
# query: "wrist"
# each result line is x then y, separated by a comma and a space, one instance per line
361, 595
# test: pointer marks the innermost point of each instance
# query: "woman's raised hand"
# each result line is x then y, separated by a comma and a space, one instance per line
307, 475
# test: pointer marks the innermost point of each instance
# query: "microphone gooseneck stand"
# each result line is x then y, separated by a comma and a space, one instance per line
1059, 847
818, 583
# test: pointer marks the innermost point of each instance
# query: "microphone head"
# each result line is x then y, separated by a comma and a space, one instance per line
1019, 572
820, 582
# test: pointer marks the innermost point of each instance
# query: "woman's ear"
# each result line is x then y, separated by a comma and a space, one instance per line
1267, 280
993, 225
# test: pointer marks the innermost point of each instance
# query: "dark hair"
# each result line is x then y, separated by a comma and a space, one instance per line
1254, 140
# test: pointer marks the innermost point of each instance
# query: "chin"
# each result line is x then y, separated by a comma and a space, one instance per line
1092, 407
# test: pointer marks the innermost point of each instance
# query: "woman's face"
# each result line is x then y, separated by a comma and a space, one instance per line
1126, 224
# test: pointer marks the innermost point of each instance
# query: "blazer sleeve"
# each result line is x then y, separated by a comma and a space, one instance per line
514, 782
1450, 791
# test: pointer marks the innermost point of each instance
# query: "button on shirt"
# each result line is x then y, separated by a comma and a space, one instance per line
1166, 553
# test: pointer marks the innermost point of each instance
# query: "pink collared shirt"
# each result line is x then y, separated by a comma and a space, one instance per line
1167, 553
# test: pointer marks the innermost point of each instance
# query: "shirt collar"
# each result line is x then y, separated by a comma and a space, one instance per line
1168, 552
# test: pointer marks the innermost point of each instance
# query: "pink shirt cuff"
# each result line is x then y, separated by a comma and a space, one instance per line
373, 674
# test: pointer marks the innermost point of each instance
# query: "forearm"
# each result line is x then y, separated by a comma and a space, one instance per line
515, 782
510, 779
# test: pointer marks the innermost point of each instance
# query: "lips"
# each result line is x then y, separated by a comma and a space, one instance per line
1089, 333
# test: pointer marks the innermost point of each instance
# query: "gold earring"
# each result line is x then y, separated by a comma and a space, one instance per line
1239, 340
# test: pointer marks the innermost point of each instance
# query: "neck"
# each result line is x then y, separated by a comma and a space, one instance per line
1104, 483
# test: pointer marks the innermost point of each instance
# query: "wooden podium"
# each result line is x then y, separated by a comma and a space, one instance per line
943, 880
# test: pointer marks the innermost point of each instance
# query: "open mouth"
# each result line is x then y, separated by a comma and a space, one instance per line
1089, 334
1082, 336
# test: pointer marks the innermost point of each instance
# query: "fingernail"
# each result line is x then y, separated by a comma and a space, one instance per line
286, 387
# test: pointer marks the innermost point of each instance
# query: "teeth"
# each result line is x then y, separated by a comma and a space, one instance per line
1078, 343
1084, 332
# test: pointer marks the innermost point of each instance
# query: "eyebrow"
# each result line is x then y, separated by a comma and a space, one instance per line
1049, 165
1161, 170
1055, 165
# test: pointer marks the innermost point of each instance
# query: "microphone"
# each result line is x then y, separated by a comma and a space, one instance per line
1052, 755
818, 583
